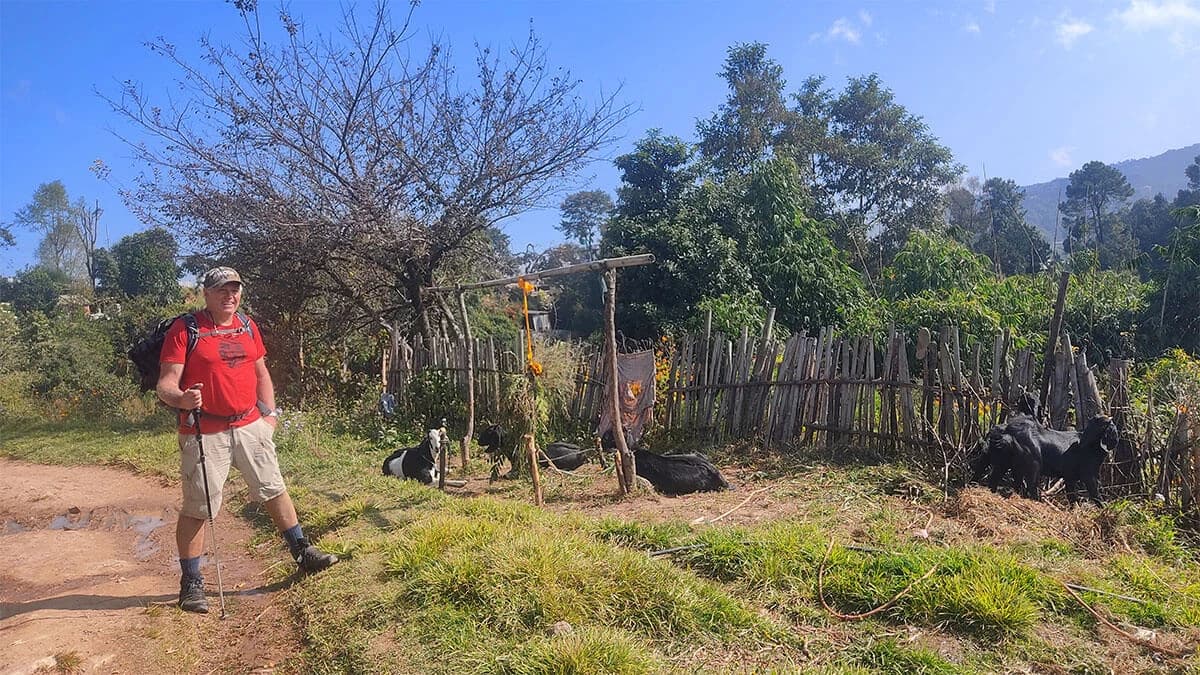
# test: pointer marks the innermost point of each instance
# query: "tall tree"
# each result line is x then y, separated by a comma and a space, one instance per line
876, 169
583, 217
746, 127
1008, 239
1094, 194
87, 229
51, 214
655, 176
357, 167
146, 265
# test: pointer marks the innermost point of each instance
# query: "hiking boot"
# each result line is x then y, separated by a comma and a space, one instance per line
191, 595
311, 559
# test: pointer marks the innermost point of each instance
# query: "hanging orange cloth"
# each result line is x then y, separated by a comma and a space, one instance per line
526, 289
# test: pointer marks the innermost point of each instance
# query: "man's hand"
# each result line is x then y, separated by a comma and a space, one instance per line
190, 398
273, 420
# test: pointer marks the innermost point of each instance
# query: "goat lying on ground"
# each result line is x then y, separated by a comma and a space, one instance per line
415, 463
1032, 451
672, 474
565, 456
678, 474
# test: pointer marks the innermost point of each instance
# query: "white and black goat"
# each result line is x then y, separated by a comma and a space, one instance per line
417, 463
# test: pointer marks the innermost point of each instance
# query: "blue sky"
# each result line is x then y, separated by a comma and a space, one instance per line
1021, 90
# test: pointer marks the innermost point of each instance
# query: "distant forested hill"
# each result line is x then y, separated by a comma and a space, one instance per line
1149, 176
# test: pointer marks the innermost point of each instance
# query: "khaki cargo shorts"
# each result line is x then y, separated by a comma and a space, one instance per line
250, 448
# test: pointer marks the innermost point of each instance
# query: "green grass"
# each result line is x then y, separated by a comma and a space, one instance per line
432, 582
148, 448
889, 656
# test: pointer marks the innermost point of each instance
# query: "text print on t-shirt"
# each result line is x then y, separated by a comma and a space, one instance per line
232, 352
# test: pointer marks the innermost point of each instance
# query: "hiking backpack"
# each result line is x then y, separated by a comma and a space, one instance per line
145, 354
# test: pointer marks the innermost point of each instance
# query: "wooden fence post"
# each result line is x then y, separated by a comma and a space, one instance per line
1055, 327
469, 344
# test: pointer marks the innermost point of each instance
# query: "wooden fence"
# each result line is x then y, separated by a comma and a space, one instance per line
929, 396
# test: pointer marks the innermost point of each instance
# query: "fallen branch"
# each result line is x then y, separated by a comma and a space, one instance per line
744, 501
1179, 653
856, 617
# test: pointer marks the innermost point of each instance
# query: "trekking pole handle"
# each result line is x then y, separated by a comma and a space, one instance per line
199, 403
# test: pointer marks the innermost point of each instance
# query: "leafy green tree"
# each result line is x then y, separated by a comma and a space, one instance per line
694, 260
1174, 312
6, 237
1104, 312
51, 215
796, 266
36, 289
1094, 194
107, 273
584, 215
655, 176
1013, 244
146, 265
878, 169
933, 262
747, 126
1191, 195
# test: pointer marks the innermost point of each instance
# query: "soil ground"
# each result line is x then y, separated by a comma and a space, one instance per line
91, 577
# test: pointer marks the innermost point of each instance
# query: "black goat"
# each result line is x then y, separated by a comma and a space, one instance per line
1032, 451
498, 447
678, 474
415, 463
565, 456
1027, 405
671, 475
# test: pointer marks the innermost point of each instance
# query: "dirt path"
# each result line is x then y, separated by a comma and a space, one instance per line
90, 578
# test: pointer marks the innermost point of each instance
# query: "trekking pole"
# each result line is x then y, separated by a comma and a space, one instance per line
212, 529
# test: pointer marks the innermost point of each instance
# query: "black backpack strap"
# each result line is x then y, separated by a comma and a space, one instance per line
245, 323
193, 332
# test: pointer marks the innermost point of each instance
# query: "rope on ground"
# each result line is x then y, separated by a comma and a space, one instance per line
1178, 653
856, 617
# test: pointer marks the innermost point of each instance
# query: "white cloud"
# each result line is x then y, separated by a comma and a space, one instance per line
843, 29
1148, 15
971, 27
1069, 30
865, 17
1062, 156
989, 6
1180, 18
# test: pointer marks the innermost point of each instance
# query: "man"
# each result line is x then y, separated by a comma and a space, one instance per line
225, 377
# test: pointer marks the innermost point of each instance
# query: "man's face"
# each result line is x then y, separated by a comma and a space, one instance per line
223, 299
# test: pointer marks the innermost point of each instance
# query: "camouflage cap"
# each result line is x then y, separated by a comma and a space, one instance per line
219, 276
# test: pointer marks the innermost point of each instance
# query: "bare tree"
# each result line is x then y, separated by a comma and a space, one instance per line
347, 169
87, 228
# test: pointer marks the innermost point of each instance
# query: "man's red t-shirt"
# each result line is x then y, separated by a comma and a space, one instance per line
224, 364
